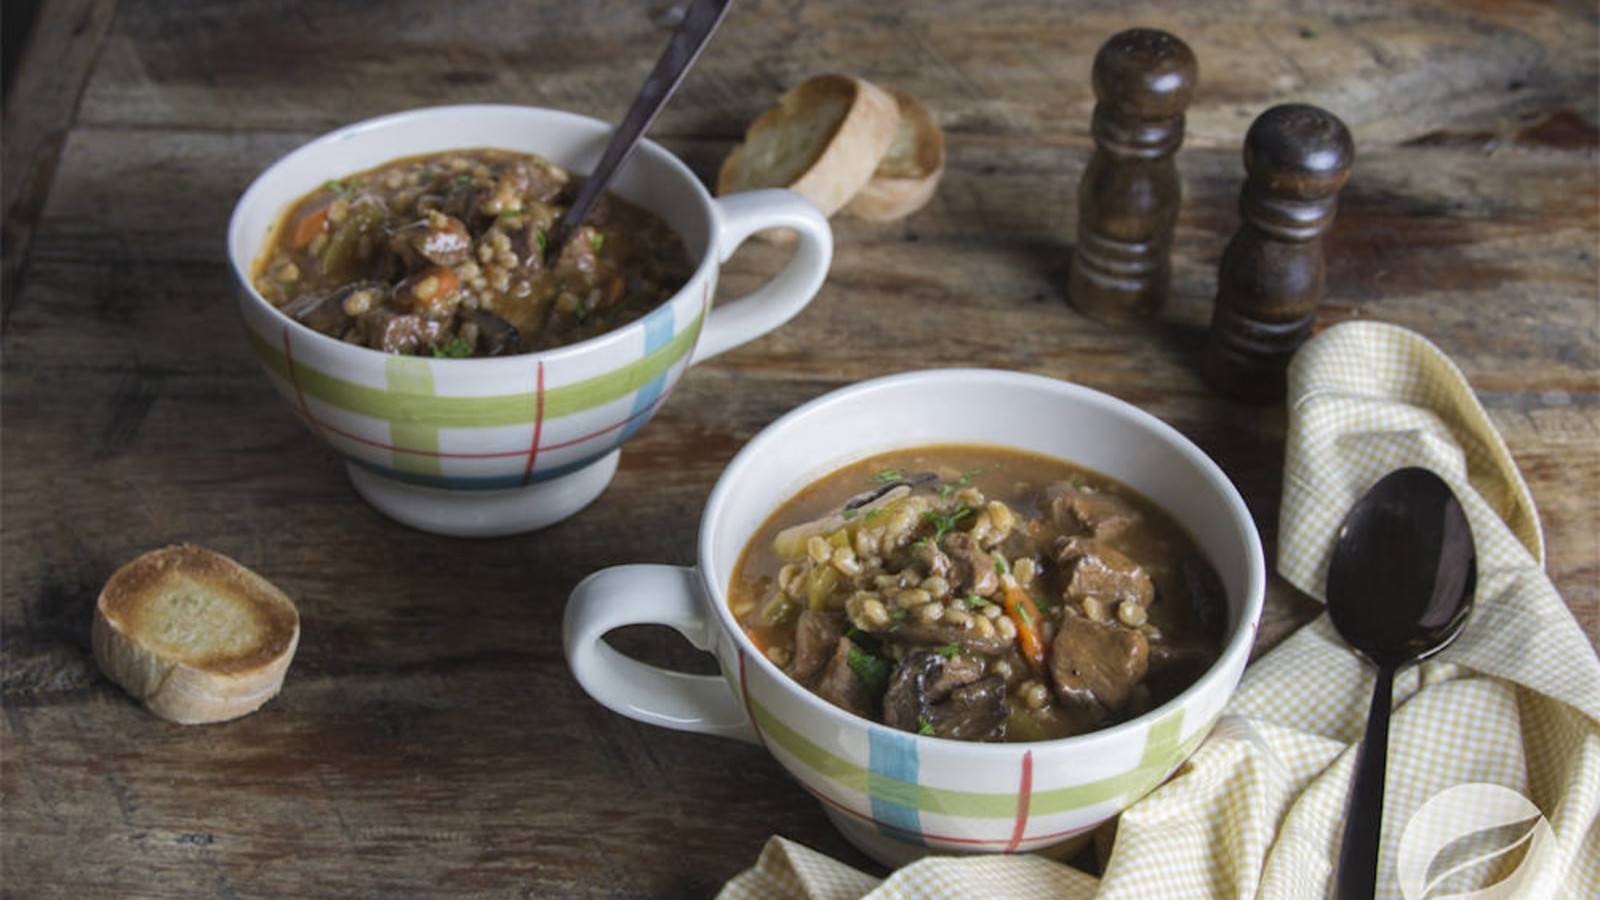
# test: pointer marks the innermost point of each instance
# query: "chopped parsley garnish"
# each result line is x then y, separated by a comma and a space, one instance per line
943, 524
924, 726
897, 614
539, 239
510, 213
1024, 614
463, 179
999, 563
338, 187
598, 242
850, 513
949, 487
886, 476
455, 348
973, 601
950, 651
872, 670
866, 642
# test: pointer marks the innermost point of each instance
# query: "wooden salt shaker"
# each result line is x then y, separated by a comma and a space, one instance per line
1270, 280
1128, 197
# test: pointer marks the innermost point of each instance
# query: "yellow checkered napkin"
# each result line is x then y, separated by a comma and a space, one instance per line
1258, 810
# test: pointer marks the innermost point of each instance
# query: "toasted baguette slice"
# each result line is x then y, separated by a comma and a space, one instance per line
194, 635
823, 139
909, 172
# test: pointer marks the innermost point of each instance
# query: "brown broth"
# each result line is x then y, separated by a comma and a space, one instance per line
444, 255
1178, 628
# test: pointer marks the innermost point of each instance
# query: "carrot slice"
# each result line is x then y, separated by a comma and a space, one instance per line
308, 227
1025, 613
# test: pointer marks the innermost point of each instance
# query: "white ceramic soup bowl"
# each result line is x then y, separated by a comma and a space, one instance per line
478, 447
895, 794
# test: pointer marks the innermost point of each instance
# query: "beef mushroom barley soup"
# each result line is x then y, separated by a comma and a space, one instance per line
980, 594
444, 255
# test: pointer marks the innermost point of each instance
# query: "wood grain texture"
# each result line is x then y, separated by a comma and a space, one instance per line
429, 741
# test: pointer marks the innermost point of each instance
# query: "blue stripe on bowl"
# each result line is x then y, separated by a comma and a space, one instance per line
658, 331
892, 783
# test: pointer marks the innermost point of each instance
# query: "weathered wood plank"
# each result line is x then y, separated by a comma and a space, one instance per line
1018, 75
40, 106
429, 740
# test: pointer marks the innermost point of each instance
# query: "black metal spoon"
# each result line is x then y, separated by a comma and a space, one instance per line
700, 21
1400, 586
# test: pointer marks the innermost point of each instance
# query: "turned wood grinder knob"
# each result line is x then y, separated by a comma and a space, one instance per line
1270, 280
1128, 196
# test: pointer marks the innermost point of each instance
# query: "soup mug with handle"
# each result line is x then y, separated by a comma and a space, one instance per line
480, 447
894, 794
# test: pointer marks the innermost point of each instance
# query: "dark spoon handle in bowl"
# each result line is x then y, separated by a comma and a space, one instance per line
1357, 876
700, 20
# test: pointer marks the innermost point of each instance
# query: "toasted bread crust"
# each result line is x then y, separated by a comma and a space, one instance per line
823, 139
194, 635
909, 173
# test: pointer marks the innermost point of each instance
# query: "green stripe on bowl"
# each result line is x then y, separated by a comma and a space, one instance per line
476, 412
413, 376
1159, 749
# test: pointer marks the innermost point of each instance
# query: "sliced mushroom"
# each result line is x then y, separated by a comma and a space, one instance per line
329, 312
496, 336
865, 497
1207, 598
791, 542
949, 697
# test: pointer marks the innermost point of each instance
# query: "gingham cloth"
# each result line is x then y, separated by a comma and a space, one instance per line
1258, 810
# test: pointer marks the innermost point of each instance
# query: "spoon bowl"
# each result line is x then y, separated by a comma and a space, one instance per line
1401, 579
1400, 586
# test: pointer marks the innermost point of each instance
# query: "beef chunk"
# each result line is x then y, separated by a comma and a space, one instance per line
1097, 666
816, 636
1100, 514
438, 240
1097, 571
973, 572
840, 685
578, 254
397, 332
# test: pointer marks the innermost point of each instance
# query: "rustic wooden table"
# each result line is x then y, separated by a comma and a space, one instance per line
429, 741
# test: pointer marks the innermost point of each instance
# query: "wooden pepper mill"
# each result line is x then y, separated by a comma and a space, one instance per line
1128, 197
1270, 280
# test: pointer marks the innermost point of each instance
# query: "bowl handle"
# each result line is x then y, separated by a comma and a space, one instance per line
734, 322
649, 595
